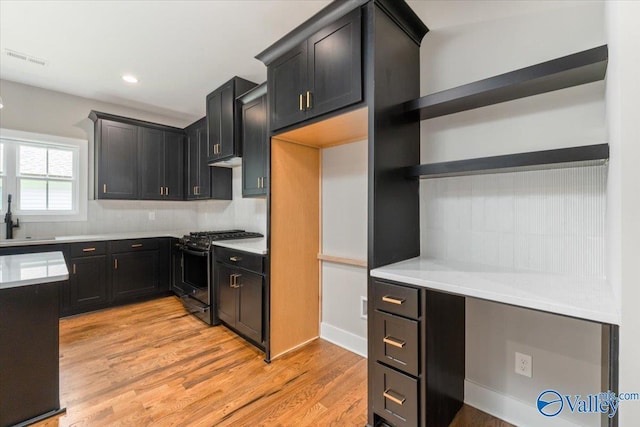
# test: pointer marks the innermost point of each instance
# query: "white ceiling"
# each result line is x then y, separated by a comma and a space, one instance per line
180, 50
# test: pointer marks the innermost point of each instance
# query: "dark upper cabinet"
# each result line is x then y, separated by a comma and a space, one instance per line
223, 138
161, 164
322, 74
198, 174
254, 136
116, 160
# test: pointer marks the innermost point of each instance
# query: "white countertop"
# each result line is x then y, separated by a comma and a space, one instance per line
584, 298
258, 246
32, 269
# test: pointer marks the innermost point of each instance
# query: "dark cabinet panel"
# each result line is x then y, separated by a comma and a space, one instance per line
135, 274
396, 342
287, 77
174, 166
255, 142
249, 305
395, 396
335, 65
117, 161
222, 117
88, 286
321, 75
151, 162
226, 295
198, 174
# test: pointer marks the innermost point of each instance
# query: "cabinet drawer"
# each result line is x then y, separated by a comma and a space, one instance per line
240, 259
396, 342
395, 396
87, 249
134, 245
396, 299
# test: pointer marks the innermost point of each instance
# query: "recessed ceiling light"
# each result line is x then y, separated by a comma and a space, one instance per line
130, 78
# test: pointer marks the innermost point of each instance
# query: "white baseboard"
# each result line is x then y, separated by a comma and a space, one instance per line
507, 408
344, 339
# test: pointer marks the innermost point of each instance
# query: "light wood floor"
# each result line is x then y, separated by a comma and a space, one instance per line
149, 364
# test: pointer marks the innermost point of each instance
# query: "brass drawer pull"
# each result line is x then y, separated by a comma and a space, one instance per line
301, 102
308, 100
399, 400
136, 245
74, 269
394, 342
88, 250
392, 300
235, 258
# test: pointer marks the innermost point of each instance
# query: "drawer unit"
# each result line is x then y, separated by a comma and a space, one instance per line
240, 259
395, 396
396, 342
132, 245
87, 249
400, 300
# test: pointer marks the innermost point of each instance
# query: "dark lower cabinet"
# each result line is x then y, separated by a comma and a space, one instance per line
88, 284
240, 299
416, 347
135, 274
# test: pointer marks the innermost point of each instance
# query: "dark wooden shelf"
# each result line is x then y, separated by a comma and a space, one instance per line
588, 155
572, 70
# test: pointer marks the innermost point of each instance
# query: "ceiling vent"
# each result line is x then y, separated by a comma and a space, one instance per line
25, 57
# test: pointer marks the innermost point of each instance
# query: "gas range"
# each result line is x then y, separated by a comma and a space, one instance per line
201, 240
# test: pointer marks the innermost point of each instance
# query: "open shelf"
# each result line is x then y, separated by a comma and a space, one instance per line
587, 155
572, 70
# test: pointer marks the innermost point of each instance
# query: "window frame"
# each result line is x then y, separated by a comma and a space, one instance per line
12, 140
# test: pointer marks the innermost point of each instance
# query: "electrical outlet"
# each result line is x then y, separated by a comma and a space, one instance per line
363, 308
523, 364
152, 216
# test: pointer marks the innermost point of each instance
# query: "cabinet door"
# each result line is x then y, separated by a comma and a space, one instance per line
335, 65
174, 166
193, 167
214, 124
250, 304
227, 104
151, 164
204, 177
117, 161
88, 283
225, 294
287, 77
254, 141
135, 274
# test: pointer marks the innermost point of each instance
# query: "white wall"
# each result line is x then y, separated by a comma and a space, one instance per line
32, 109
344, 234
566, 352
623, 111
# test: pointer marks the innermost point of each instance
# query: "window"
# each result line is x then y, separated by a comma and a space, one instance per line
43, 175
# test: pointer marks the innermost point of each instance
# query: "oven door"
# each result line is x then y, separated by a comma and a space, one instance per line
196, 281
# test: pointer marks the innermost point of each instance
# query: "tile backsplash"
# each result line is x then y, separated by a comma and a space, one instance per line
547, 220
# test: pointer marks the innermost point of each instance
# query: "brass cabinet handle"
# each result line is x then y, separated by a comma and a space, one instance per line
392, 300
136, 245
88, 249
231, 280
104, 188
388, 395
235, 280
393, 341
74, 269
259, 183
162, 191
166, 191
308, 100
235, 258
301, 102
115, 264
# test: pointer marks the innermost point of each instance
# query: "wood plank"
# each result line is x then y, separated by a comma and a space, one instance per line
295, 243
343, 129
343, 260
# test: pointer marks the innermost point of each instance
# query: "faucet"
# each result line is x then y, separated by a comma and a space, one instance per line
9, 222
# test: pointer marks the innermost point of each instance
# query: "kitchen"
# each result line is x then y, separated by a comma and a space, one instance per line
342, 244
